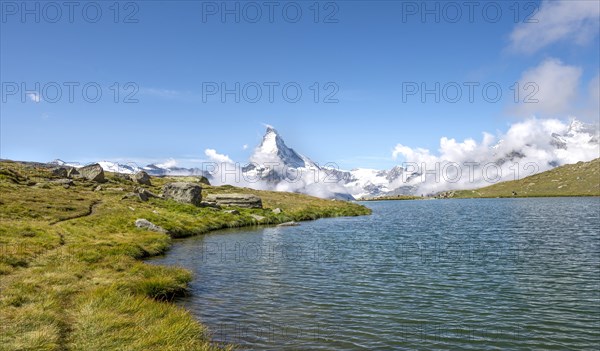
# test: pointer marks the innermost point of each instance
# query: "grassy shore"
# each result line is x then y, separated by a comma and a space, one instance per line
71, 269
579, 179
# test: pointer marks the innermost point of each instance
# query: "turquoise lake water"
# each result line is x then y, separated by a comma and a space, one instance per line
482, 274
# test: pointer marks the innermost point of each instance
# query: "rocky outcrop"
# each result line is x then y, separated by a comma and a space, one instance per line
93, 172
203, 180
141, 177
60, 172
183, 192
72, 172
146, 224
139, 193
62, 181
235, 200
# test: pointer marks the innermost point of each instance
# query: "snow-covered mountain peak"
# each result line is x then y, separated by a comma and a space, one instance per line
273, 150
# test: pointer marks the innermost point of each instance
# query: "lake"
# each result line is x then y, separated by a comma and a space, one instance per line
501, 274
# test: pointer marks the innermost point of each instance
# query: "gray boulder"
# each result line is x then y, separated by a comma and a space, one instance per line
93, 172
183, 192
141, 177
235, 200
62, 181
60, 172
146, 224
257, 217
203, 180
72, 172
233, 212
277, 210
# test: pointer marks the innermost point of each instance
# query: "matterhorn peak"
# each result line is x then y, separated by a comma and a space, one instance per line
274, 150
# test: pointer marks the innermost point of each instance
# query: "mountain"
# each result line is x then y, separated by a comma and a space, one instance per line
276, 166
579, 179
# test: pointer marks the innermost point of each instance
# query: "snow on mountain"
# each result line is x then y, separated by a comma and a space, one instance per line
276, 166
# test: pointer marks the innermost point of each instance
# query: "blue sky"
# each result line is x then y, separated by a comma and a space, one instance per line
176, 51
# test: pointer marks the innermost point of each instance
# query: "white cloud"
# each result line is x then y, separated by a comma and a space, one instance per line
168, 164
35, 97
216, 157
548, 90
533, 139
245, 147
562, 20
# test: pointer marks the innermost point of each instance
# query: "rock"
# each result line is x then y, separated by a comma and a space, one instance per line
93, 172
277, 210
146, 224
64, 181
115, 189
203, 180
139, 196
257, 217
289, 224
514, 193
72, 172
183, 192
235, 200
147, 193
209, 204
98, 188
60, 172
234, 212
141, 177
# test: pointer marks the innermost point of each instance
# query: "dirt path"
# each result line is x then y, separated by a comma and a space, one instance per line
89, 212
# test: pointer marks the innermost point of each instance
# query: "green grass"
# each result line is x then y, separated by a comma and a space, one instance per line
71, 269
579, 179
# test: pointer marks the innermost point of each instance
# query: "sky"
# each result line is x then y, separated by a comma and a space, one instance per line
347, 82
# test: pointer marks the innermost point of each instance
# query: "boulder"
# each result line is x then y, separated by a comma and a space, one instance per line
277, 210
141, 177
72, 172
289, 224
233, 212
60, 172
183, 192
93, 172
203, 180
144, 192
209, 204
141, 197
146, 224
257, 217
62, 181
235, 200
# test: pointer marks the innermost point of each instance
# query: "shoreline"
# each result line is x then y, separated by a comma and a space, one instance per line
73, 262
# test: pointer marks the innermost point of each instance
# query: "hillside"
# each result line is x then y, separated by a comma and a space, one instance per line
71, 274
579, 179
